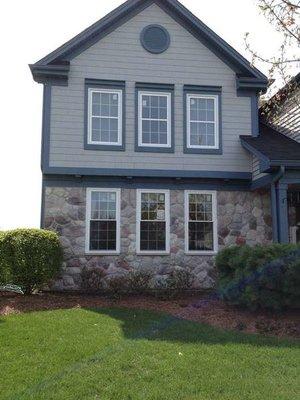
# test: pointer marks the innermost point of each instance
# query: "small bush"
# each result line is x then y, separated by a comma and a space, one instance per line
260, 276
5, 272
30, 258
175, 284
92, 279
139, 281
118, 286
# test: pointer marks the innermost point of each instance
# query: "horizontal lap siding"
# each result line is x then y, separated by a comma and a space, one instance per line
120, 56
256, 174
287, 119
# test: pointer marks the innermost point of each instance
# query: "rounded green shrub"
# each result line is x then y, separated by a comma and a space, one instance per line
30, 258
260, 276
5, 273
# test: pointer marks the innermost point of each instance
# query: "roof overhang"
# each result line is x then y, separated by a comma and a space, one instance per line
53, 67
57, 74
268, 164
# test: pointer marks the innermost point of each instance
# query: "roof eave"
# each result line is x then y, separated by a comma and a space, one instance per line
178, 12
50, 73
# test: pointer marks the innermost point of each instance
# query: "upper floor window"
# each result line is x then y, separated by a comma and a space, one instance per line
104, 115
154, 119
202, 121
154, 115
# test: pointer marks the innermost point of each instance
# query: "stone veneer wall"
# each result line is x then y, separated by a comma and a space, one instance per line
243, 217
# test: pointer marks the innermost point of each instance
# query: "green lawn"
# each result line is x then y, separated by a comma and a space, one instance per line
114, 354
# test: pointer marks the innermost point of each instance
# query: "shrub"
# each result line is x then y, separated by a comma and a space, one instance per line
5, 273
180, 280
30, 258
260, 276
139, 281
118, 286
175, 284
92, 279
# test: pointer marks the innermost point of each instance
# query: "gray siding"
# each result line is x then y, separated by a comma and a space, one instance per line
120, 56
256, 174
287, 120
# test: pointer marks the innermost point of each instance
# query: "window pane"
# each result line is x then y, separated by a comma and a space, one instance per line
105, 98
96, 98
200, 207
153, 206
103, 206
201, 236
153, 236
103, 235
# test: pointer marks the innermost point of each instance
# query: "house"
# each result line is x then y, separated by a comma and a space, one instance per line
153, 155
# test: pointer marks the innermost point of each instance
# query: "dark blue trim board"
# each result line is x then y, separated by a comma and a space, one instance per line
142, 182
214, 90
154, 173
282, 212
180, 14
46, 126
274, 213
154, 87
42, 220
104, 84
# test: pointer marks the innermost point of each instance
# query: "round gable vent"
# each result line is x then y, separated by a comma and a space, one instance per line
155, 39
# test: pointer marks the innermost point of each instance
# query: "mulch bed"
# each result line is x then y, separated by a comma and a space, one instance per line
200, 308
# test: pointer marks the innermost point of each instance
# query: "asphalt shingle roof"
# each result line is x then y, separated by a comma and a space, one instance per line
274, 145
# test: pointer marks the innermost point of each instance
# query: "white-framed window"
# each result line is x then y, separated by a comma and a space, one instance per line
202, 121
105, 116
153, 221
103, 221
201, 230
154, 119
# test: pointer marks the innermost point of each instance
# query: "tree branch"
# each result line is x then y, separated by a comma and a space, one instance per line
279, 20
290, 4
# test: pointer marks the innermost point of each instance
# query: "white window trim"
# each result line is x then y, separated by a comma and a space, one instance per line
87, 222
169, 118
138, 221
120, 115
216, 122
214, 220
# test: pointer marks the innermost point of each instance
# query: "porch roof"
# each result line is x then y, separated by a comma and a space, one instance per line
273, 148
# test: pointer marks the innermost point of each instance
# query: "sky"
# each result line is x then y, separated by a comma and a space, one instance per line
31, 29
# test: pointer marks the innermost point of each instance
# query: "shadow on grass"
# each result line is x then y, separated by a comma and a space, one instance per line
140, 324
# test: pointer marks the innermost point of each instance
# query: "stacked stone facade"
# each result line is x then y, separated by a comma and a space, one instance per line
243, 217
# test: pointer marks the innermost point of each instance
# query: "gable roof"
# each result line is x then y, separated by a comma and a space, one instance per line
248, 77
273, 148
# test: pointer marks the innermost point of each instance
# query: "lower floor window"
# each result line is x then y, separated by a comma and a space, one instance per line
103, 220
200, 222
152, 221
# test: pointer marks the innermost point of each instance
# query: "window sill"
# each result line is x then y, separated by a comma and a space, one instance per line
153, 253
150, 149
104, 147
202, 151
201, 253
102, 253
